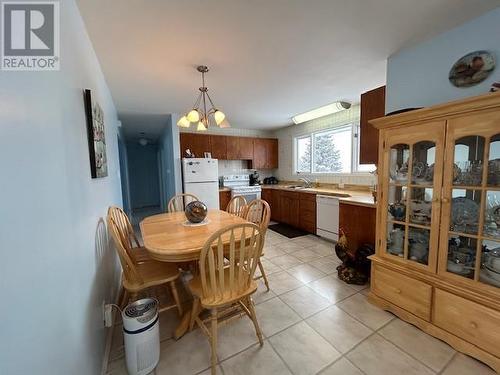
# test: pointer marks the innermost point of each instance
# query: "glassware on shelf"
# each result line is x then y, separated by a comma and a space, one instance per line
462, 256
492, 214
396, 238
465, 211
469, 154
418, 245
421, 206
398, 211
490, 263
398, 169
494, 161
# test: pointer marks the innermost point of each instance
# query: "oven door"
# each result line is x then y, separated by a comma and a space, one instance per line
249, 196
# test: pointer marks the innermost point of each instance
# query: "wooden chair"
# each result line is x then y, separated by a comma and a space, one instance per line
219, 285
140, 276
137, 252
237, 206
259, 212
178, 203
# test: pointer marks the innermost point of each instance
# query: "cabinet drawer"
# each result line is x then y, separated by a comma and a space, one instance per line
471, 321
409, 294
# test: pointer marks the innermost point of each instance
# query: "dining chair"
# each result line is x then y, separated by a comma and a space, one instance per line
140, 276
222, 285
259, 212
179, 202
237, 206
137, 252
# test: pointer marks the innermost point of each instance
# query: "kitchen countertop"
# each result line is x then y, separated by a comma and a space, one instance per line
357, 197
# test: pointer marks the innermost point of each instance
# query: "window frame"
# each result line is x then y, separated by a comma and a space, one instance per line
354, 152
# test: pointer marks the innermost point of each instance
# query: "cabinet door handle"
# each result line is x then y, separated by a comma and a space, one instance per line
445, 200
473, 325
398, 291
435, 200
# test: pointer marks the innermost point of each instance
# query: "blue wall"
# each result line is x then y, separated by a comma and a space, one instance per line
167, 166
125, 180
418, 76
56, 268
143, 175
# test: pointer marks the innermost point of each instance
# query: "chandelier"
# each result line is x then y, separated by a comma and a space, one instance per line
199, 114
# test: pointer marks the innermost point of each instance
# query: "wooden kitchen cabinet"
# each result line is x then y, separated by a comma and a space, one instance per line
275, 205
218, 146
290, 210
307, 208
267, 195
265, 153
239, 148
372, 107
358, 223
197, 143
224, 198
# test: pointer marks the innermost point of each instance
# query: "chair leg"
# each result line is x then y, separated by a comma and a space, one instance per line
124, 299
254, 320
263, 273
173, 288
194, 312
213, 340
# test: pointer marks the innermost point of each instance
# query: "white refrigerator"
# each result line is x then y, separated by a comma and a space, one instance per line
200, 177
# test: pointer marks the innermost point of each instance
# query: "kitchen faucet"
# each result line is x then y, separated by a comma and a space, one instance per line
307, 182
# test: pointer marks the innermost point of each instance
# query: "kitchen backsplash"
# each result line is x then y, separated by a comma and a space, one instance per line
241, 167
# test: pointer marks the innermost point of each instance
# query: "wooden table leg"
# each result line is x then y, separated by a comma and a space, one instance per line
183, 326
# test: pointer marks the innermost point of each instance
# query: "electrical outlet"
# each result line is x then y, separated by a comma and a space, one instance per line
108, 314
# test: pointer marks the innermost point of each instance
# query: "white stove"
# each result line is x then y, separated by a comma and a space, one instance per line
240, 186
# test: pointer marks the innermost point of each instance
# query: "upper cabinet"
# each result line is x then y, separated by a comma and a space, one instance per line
265, 153
261, 152
218, 146
372, 106
197, 143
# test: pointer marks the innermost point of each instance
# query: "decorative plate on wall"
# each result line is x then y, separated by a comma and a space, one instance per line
472, 69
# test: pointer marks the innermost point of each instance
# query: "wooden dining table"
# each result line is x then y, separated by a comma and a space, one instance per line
169, 237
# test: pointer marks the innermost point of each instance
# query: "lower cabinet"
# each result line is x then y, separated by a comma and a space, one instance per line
464, 319
224, 198
307, 211
409, 294
358, 223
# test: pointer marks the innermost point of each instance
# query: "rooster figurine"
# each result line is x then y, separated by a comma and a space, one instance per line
355, 268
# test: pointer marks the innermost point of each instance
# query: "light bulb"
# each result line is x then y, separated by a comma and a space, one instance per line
201, 127
183, 122
219, 116
193, 116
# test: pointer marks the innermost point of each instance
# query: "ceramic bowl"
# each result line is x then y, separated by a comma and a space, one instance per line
455, 267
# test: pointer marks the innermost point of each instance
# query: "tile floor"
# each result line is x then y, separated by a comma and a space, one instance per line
313, 323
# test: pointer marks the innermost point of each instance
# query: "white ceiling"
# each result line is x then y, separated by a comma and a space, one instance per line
269, 59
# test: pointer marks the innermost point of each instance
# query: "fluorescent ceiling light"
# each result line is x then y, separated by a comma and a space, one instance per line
320, 112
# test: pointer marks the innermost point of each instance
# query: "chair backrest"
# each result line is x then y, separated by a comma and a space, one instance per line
237, 206
228, 261
258, 212
178, 203
124, 227
130, 272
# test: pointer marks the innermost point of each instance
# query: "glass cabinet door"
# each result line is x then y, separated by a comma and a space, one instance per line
411, 194
470, 239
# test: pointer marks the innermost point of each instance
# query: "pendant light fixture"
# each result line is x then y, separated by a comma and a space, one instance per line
199, 114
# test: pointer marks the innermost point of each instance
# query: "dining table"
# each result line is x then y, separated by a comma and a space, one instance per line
170, 237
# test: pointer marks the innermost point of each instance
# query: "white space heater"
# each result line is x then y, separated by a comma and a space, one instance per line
141, 332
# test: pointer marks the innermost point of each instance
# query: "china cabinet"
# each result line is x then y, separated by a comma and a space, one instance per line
437, 262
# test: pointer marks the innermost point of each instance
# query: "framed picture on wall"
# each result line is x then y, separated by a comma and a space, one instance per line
95, 135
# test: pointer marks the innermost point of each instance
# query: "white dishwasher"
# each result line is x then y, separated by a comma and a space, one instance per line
327, 217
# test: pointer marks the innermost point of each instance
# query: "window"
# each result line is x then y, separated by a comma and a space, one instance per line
333, 150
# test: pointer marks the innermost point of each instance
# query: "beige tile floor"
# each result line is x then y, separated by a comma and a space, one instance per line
313, 323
